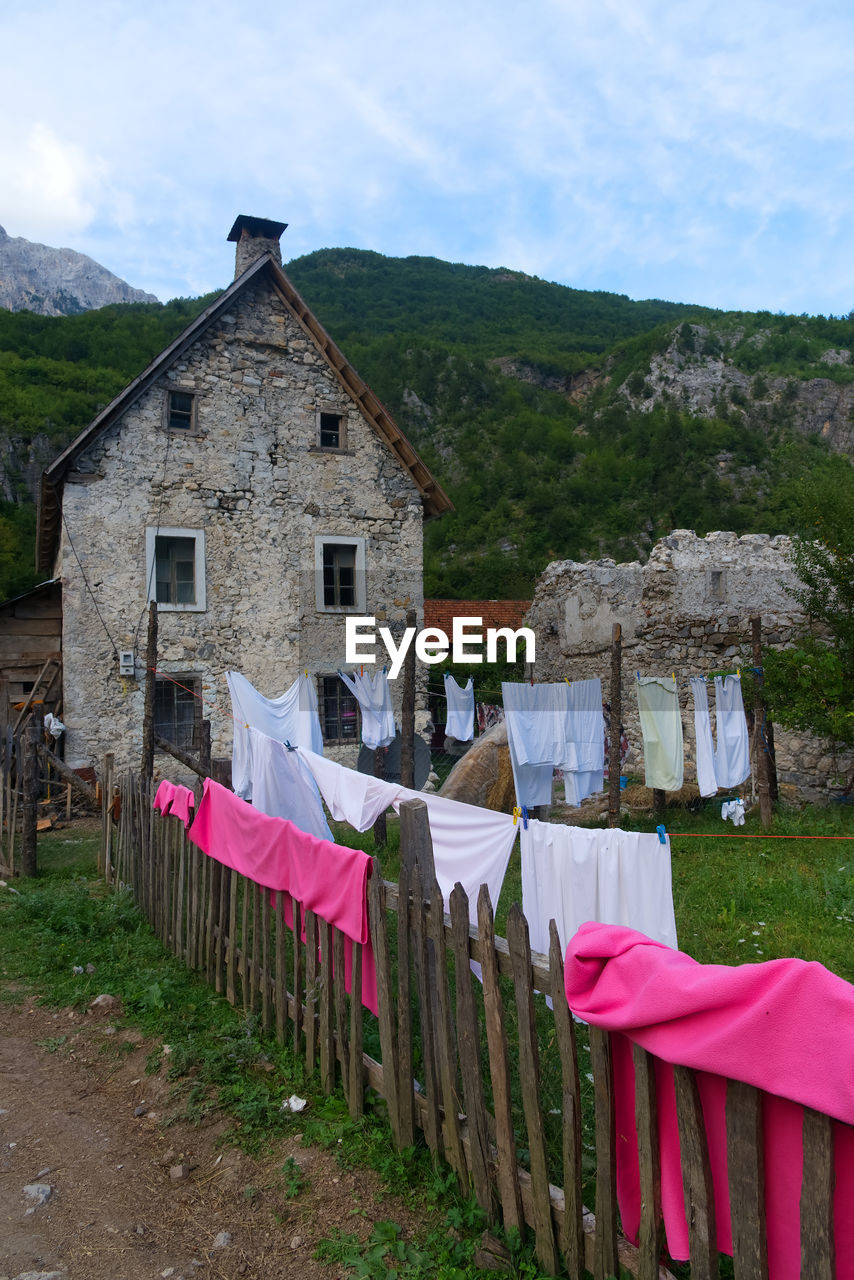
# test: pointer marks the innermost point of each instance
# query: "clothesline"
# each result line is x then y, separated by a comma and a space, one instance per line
731, 835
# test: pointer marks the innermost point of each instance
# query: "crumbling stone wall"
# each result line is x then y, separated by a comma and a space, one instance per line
687, 610
249, 475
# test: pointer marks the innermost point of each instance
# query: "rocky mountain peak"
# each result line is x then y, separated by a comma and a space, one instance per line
57, 282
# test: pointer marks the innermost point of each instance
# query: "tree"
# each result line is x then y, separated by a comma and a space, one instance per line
810, 686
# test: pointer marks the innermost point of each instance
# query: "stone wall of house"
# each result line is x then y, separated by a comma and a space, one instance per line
251, 477
688, 611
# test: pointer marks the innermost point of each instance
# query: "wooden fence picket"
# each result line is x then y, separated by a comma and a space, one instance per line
572, 1234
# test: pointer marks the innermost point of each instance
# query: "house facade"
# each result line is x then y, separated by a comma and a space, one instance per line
252, 485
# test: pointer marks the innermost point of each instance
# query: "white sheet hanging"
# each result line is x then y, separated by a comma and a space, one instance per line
584, 763
292, 717
661, 727
573, 874
470, 845
374, 698
283, 786
460, 723
705, 747
732, 756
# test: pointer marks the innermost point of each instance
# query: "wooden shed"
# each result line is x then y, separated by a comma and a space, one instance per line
31, 653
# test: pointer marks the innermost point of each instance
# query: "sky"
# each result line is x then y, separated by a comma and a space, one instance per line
697, 152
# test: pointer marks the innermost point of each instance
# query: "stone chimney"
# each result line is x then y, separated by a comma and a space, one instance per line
255, 237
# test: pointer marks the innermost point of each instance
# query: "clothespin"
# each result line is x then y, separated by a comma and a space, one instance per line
306, 673
569, 682
517, 813
738, 672
524, 817
673, 675
661, 833
289, 747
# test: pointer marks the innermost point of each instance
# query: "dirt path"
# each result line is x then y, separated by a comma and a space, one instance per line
91, 1127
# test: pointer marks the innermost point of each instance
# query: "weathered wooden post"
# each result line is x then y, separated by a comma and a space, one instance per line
407, 715
147, 766
30, 795
380, 834
762, 782
616, 698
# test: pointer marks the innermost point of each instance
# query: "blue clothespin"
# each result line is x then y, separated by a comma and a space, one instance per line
661, 833
524, 817
289, 747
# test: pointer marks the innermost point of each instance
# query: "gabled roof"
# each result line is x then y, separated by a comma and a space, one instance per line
434, 498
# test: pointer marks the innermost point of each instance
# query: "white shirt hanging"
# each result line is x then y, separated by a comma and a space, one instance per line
460, 723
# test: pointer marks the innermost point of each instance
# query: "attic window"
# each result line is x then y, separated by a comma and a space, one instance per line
330, 430
180, 410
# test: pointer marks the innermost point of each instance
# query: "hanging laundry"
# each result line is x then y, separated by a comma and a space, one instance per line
374, 698
292, 717
584, 762
174, 799
283, 786
460, 723
574, 874
470, 845
733, 809
555, 726
766, 1024
661, 728
328, 879
732, 756
705, 748
536, 717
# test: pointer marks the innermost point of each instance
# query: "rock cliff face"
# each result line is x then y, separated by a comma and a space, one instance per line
57, 282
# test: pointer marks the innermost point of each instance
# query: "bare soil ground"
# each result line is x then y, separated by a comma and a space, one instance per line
93, 1127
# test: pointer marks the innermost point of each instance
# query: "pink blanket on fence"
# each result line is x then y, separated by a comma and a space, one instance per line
171, 797
785, 1026
329, 879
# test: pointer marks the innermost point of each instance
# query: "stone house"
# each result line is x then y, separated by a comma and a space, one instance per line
686, 610
249, 482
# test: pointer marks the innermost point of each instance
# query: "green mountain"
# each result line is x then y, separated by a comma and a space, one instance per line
563, 423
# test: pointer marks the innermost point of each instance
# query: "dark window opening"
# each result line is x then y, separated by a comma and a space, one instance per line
339, 711
180, 410
331, 431
339, 574
178, 710
175, 570
27, 686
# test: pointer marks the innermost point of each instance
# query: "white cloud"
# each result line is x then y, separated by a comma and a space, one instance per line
51, 186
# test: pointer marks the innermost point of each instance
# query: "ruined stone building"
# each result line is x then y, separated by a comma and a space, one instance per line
252, 484
687, 610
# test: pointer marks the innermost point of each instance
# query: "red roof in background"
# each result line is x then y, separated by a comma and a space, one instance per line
493, 613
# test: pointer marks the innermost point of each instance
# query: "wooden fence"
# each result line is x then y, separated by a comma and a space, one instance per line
475, 1048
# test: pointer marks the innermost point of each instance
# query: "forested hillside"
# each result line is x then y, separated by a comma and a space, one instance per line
562, 423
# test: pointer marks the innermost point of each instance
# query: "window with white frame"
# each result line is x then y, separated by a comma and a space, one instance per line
175, 569
339, 569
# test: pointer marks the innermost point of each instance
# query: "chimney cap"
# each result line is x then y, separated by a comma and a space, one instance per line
257, 228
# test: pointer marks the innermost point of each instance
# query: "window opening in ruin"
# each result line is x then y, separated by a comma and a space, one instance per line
717, 584
180, 410
339, 710
330, 428
178, 710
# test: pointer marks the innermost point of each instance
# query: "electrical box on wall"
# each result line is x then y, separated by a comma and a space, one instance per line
126, 663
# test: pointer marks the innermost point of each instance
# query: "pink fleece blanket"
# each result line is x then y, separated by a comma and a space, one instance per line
785, 1026
329, 879
172, 798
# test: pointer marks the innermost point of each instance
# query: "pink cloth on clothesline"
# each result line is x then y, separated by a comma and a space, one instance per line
171, 797
329, 879
785, 1026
